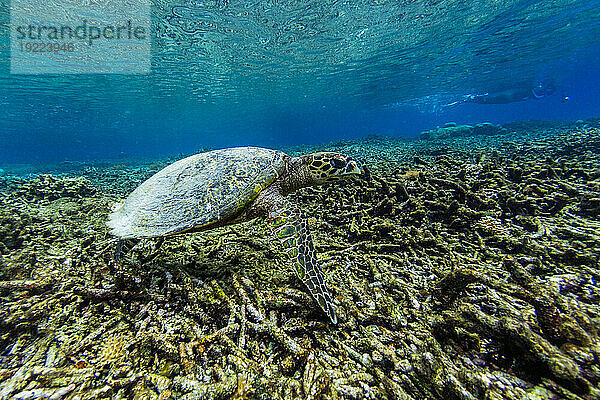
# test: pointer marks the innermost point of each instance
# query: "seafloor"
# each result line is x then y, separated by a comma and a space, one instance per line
464, 265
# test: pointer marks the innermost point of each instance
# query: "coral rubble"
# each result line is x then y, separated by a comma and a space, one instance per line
462, 267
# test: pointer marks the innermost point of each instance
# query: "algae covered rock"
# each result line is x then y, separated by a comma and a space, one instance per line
13, 222
487, 128
49, 187
451, 130
454, 277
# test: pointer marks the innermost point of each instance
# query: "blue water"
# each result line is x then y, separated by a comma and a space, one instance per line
278, 73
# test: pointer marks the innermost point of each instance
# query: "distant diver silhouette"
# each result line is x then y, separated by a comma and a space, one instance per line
511, 95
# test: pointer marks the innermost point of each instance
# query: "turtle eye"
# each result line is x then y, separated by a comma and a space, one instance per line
337, 163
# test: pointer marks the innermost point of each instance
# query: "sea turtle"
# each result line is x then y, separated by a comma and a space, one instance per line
233, 185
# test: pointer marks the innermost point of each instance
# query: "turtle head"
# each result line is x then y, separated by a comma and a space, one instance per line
326, 167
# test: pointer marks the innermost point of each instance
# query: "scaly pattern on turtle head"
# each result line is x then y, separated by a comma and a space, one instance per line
326, 167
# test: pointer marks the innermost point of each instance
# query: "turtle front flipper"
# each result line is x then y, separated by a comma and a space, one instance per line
291, 228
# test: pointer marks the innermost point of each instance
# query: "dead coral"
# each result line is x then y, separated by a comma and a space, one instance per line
473, 278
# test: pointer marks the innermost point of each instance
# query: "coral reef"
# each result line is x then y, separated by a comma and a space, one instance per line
451, 129
463, 268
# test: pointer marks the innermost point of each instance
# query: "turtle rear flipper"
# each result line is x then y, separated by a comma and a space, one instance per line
290, 227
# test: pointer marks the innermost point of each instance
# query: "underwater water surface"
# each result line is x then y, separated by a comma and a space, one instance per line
372, 199
277, 73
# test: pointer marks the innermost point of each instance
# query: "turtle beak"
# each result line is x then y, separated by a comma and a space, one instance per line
352, 168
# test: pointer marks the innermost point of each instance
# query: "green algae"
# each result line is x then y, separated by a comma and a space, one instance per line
453, 276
